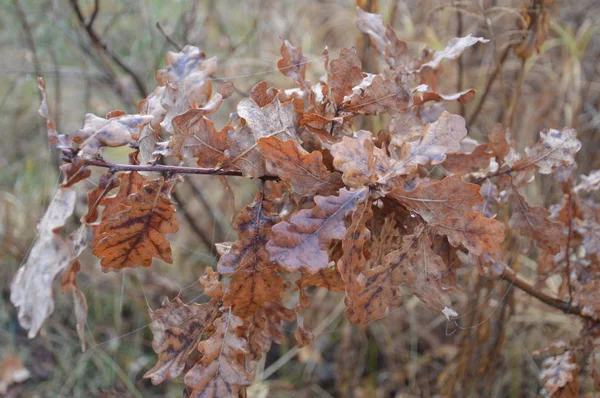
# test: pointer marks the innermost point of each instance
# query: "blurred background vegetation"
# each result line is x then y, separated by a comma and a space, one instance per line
110, 65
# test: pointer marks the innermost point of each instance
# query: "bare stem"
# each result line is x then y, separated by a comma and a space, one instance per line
163, 168
511, 276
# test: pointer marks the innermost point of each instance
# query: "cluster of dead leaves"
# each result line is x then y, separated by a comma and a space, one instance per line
368, 214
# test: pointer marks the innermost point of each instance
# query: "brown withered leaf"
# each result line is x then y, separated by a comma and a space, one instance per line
533, 221
98, 132
222, 371
292, 62
384, 38
31, 288
421, 269
302, 243
75, 171
425, 94
389, 95
266, 328
453, 50
360, 160
589, 183
436, 201
59, 141
212, 286
555, 148
588, 298
196, 134
137, 234
274, 119
262, 94
95, 196
475, 232
243, 153
364, 301
255, 279
187, 82
499, 141
328, 278
439, 138
465, 163
128, 183
345, 73
305, 172
177, 329
560, 376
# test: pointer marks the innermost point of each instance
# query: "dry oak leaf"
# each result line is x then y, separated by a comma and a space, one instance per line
389, 95
292, 63
424, 94
453, 50
196, 135
421, 269
128, 183
177, 329
475, 232
436, 201
560, 376
137, 234
439, 138
368, 294
223, 369
534, 221
59, 141
98, 132
95, 196
255, 279
243, 153
555, 148
266, 328
274, 119
345, 72
31, 289
360, 160
305, 172
384, 38
589, 183
588, 298
465, 163
302, 243
328, 278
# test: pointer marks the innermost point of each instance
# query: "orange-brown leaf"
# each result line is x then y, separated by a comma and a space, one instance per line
137, 234
223, 369
533, 221
474, 231
437, 201
390, 95
305, 172
302, 243
195, 134
384, 38
255, 280
345, 73
177, 329
292, 62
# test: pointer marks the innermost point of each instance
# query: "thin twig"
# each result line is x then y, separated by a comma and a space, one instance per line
511, 276
167, 37
98, 43
29, 38
510, 115
488, 86
162, 168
